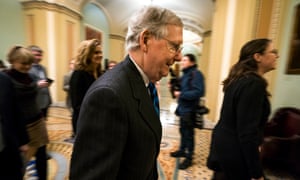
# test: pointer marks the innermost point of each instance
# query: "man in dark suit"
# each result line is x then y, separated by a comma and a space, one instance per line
39, 74
13, 135
119, 130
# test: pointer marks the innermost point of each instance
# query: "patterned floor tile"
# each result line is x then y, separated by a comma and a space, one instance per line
59, 129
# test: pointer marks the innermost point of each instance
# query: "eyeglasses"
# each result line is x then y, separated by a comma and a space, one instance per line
274, 51
172, 46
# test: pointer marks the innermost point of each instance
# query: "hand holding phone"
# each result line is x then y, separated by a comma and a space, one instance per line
49, 80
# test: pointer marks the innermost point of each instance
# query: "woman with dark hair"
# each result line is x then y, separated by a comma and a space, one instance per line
87, 68
234, 151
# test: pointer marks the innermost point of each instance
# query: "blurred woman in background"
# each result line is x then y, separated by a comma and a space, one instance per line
26, 90
234, 152
87, 68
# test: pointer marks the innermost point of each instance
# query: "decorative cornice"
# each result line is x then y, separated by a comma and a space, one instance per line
27, 5
117, 37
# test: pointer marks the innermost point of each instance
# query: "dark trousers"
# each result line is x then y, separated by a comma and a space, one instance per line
11, 164
45, 112
219, 176
187, 134
75, 116
222, 176
41, 163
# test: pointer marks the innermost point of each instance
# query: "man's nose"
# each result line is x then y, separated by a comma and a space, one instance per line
178, 56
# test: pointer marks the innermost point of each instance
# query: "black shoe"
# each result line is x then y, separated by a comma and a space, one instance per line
48, 156
185, 164
70, 140
178, 154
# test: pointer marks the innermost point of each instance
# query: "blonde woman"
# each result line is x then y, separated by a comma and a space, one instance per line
26, 90
87, 69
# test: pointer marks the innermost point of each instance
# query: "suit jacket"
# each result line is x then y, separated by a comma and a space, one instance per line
239, 132
38, 72
119, 132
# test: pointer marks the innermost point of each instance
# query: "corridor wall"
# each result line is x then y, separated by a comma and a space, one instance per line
12, 26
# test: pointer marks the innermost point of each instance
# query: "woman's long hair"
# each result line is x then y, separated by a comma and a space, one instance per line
83, 60
247, 64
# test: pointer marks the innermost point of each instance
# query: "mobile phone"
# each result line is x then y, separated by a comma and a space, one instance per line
49, 80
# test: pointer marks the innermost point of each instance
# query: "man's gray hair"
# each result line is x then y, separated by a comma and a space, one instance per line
152, 18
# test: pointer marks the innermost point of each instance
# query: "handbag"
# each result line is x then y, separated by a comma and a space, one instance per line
200, 111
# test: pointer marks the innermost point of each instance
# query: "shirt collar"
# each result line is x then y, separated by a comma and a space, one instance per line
144, 76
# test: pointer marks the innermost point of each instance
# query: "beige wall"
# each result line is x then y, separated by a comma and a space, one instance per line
215, 57
236, 22
205, 59
57, 31
66, 44
286, 86
117, 48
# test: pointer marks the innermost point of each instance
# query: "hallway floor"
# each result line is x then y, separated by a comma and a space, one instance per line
59, 128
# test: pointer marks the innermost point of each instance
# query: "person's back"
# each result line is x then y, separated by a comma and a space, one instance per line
12, 132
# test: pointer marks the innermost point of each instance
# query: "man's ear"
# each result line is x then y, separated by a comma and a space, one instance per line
144, 37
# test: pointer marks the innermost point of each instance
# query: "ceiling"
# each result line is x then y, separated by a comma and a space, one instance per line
195, 14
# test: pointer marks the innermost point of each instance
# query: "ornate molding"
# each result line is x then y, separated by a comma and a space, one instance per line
117, 37
27, 5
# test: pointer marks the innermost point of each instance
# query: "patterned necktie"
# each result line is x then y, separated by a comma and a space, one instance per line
154, 97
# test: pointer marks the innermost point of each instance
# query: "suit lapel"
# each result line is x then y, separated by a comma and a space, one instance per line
146, 108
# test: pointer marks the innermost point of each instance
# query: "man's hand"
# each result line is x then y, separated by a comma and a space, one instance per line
176, 94
43, 83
